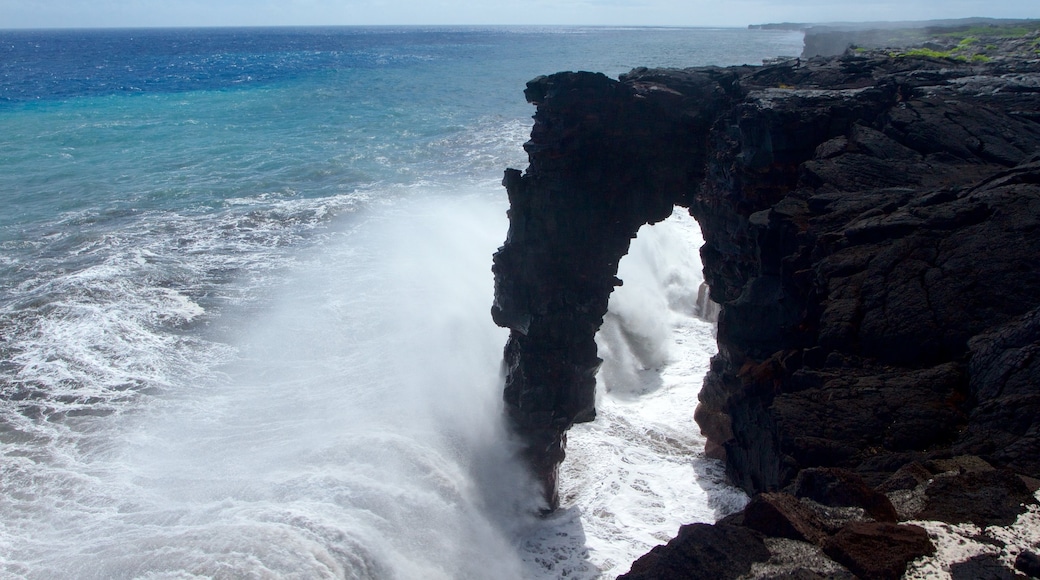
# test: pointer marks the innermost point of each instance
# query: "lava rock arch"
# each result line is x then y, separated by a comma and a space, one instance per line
871, 232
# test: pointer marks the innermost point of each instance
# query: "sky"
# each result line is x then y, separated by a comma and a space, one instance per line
135, 13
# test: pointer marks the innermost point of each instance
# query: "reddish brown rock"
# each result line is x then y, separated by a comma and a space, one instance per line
702, 552
843, 488
781, 515
878, 550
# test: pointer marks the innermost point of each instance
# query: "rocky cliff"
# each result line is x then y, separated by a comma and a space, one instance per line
872, 232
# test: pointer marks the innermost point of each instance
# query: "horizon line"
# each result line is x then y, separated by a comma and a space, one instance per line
753, 26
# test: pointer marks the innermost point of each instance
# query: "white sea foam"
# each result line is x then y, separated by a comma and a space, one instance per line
151, 428
355, 429
637, 473
101, 326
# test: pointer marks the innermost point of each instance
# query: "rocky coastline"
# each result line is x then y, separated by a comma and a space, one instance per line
985, 36
872, 234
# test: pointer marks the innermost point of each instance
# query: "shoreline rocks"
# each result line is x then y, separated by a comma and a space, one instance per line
872, 234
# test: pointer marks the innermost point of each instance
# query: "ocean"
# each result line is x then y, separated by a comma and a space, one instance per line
244, 309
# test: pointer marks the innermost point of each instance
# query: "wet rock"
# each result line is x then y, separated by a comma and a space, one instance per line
572, 215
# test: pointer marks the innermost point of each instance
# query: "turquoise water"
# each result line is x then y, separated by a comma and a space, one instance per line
244, 292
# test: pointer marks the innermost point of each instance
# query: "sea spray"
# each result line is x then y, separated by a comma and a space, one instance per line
661, 274
355, 428
358, 432
637, 473
191, 309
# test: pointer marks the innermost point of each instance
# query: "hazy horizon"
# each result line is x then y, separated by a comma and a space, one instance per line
15, 14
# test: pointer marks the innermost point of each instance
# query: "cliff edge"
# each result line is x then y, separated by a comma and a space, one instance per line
872, 233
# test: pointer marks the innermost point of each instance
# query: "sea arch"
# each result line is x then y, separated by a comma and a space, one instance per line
606, 158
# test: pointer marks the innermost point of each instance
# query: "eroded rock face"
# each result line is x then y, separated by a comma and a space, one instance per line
872, 227
890, 236
872, 233
605, 159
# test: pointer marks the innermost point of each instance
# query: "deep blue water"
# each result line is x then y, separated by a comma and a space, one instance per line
244, 291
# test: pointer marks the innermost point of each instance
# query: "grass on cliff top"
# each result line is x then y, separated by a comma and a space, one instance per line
994, 30
947, 54
969, 49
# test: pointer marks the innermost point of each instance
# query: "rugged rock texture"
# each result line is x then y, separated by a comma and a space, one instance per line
571, 218
872, 230
703, 552
878, 550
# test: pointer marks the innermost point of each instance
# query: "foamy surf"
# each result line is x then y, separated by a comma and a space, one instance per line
637, 473
219, 359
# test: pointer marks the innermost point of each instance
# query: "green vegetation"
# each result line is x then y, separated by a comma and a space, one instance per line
974, 44
1007, 31
947, 54
979, 44
925, 52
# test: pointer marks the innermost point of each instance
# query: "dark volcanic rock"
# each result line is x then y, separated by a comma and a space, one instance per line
555, 272
1005, 372
906, 478
781, 515
982, 567
1028, 563
984, 498
861, 259
872, 244
878, 550
843, 488
872, 233
702, 552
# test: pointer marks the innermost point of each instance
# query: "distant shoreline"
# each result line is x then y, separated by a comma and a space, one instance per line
941, 37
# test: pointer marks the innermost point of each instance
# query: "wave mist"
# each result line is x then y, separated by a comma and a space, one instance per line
357, 432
